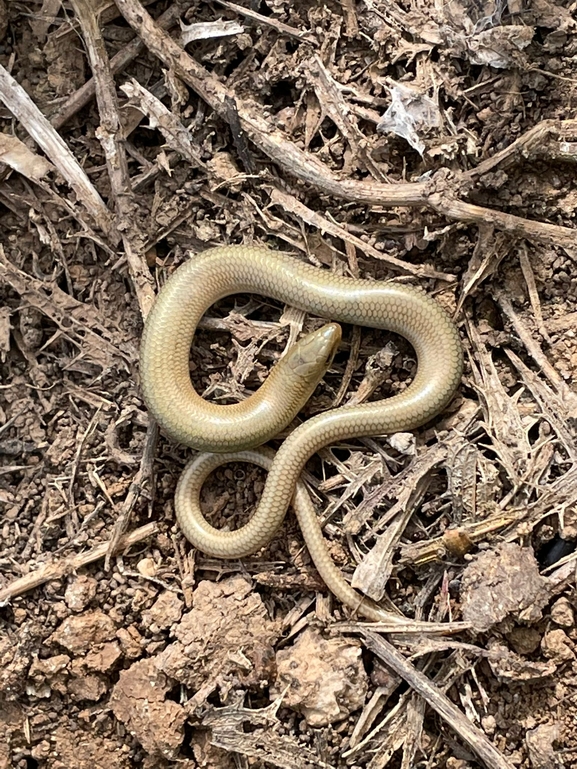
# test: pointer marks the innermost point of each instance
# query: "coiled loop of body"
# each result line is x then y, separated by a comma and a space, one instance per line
233, 432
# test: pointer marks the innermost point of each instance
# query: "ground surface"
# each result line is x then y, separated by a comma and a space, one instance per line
156, 656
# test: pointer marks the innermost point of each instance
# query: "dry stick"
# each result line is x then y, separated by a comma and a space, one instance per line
551, 234
77, 321
524, 146
71, 564
535, 351
109, 134
27, 113
85, 94
554, 409
434, 697
268, 21
439, 549
435, 193
135, 488
35, 533
294, 206
238, 136
270, 140
41, 22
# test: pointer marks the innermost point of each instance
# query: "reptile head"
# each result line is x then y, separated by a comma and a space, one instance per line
313, 354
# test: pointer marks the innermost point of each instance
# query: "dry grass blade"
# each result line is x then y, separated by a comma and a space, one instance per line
27, 113
470, 734
559, 413
334, 106
534, 350
249, 13
503, 421
488, 254
109, 134
529, 276
142, 477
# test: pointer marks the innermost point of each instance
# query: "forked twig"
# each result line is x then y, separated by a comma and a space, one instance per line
441, 193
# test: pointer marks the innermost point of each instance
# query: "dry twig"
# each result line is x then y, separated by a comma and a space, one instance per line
441, 193
135, 490
80, 323
292, 205
70, 565
109, 135
268, 21
84, 95
434, 697
27, 113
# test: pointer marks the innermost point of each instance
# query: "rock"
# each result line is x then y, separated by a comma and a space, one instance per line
85, 749
524, 640
227, 637
79, 633
130, 641
165, 611
103, 659
501, 583
540, 746
48, 676
88, 687
80, 593
49, 667
507, 665
562, 613
326, 679
138, 700
557, 646
147, 567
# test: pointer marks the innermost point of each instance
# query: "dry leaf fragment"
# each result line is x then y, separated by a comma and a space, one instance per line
205, 29
175, 133
539, 742
499, 47
15, 153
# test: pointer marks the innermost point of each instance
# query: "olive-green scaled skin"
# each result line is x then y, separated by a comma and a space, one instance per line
230, 429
